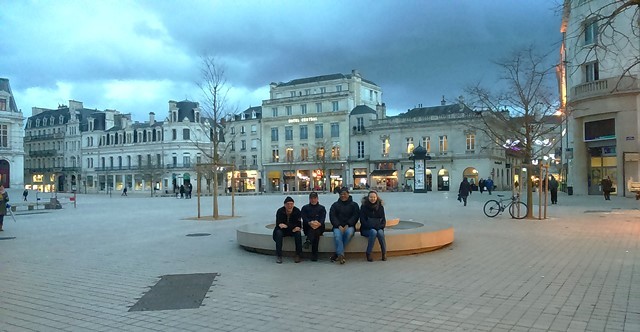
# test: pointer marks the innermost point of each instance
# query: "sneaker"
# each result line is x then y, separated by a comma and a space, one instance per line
333, 258
297, 259
279, 260
342, 259
306, 245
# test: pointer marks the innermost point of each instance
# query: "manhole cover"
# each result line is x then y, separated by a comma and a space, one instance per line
176, 291
199, 234
7, 238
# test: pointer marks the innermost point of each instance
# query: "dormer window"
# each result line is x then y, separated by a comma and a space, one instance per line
243, 116
61, 119
51, 120
44, 122
253, 114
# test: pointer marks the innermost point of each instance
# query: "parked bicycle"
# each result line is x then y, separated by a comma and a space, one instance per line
517, 209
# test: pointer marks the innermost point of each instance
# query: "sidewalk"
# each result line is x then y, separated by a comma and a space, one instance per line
81, 269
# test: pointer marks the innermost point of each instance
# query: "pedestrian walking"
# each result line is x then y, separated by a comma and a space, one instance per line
372, 223
313, 218
553, 189
25, 193
607, 188
464, 190
489, 184
481, 185
124, 191
4, 199
288, 223
181, 191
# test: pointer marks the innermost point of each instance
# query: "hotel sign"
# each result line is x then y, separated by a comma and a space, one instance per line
308, 119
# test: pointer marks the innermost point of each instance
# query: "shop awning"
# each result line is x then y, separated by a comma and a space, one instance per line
384, 173
274, 175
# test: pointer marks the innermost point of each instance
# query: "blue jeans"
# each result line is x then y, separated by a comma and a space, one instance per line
342, 239
371, 235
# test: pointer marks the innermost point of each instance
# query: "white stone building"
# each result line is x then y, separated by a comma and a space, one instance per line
243, 138
456, 150
11, 146
74, 148
602, 97
307, 127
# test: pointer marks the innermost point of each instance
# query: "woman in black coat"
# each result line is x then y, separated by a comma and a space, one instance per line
372, 222
465, 189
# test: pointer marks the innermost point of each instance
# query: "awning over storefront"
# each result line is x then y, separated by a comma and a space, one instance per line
274, 174
384, 172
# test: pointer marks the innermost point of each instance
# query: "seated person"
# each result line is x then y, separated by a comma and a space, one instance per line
288, 223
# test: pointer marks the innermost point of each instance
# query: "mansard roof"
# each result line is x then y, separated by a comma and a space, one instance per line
362, 109
186, 110
436, 111
82, 116
5, 86
322, 78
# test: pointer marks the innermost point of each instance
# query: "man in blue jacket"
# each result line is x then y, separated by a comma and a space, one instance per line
313, 217
344, 215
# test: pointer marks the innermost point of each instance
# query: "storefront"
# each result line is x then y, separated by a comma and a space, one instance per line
360, 178
274, 181
336, 178
244, 181
384, 180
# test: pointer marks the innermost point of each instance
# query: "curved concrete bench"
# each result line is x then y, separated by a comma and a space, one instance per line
404, 238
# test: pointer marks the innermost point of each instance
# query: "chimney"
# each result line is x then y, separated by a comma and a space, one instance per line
152, 118
443, 102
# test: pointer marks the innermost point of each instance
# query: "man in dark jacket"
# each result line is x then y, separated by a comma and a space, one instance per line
344, 215
553, 189
288, 224
313, 217
464, 190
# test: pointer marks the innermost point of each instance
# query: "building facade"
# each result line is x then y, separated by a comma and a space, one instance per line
74, 148
243, 149
454, 142
307, 127
11, 139
600, 83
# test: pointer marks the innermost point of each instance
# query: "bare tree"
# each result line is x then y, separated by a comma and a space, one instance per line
518, 117
214, 89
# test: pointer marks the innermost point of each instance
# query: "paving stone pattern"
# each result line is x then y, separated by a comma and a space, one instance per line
82, 269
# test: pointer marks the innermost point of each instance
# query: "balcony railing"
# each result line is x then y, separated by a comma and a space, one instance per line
604, 87
43, 153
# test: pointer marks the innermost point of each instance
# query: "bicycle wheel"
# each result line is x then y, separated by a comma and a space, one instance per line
518, 210
491, 208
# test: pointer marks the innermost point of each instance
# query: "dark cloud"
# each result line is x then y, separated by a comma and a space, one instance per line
417, 51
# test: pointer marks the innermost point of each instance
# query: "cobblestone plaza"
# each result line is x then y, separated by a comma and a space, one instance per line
83, 268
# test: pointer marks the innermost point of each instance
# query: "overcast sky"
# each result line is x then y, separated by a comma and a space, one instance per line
135, 56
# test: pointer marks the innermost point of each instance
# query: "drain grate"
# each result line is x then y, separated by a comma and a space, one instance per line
199, 234
7, 238
176, 291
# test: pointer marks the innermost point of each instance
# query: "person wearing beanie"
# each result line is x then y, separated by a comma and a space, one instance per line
344, 215
288, 223
313, 217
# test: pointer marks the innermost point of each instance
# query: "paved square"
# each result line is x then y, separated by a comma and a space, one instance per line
80, 269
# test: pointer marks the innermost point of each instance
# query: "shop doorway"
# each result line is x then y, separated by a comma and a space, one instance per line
443, 180
602, 163
4, 173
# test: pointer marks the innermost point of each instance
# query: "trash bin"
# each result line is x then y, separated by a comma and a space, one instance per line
569, 190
